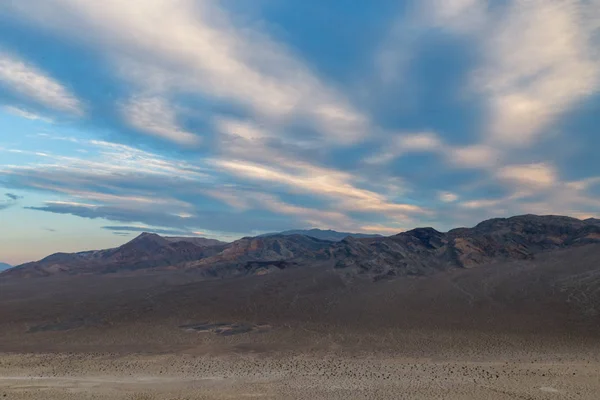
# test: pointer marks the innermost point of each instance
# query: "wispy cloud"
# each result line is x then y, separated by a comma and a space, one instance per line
529, 175
474, 156
180, 46
151, 229
154, 116
19, 112
541, 58
448, 197
321, 181
11, 200
405, 143
256, 133
13, 196
27, 80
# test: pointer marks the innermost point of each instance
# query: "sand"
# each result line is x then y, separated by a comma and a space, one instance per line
324, 376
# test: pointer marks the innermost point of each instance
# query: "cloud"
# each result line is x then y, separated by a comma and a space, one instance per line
425, 141
448, 197
482, 203
27, 80
405, 143
19, 112
395, 53
213, 223
459, 16
161, 231
312, 216
417, 20
184, 46
125, 184
241, 129
310, 179
470, 156
154, 116
106, 160
584, 184
541, 59
382, 229
11, 200
474, 156
12, 196
282, 145
529, 175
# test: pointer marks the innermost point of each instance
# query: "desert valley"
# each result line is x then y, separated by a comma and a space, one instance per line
507, 309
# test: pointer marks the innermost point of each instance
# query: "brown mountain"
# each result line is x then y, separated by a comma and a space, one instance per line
424, 250
263, 254
421, 251
146, 251
526, 279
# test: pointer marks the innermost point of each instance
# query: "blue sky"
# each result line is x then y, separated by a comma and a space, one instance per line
228, 118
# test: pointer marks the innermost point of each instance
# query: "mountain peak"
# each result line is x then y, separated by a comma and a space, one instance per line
148, 234
147, 240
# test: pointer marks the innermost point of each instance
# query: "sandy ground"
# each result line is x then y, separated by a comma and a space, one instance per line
329, 376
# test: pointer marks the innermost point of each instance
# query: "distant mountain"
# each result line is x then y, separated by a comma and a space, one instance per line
146, 251
330, 235
594, 221
421, 251
4, 266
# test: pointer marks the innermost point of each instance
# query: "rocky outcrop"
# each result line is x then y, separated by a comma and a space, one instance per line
425, 250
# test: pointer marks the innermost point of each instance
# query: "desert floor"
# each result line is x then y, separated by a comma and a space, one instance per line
331, 375
528, 330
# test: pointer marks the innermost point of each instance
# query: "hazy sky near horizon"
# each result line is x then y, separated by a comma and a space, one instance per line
233, 118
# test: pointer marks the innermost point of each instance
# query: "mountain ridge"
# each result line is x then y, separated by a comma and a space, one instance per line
420, 251
323, 234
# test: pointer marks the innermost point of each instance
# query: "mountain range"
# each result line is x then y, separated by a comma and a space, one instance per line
528, 278
331, 235
417, 252
4, 266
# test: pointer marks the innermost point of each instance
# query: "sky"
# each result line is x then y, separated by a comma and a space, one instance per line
231, 118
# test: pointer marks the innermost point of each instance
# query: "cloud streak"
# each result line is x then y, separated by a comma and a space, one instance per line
29, 81
174, 47
539, 61
11, 200
204, 116
154, 116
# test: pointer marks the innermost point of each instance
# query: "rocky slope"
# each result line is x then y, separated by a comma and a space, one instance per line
262, 255
331, 235
420, 251
424, 250
144, 252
